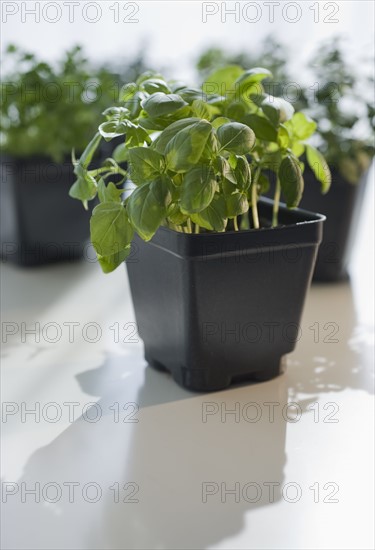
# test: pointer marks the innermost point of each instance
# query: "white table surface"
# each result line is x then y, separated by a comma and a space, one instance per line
177, 461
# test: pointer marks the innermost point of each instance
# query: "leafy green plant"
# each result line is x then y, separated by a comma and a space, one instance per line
335, 97
346, 117
47, 109
198, 158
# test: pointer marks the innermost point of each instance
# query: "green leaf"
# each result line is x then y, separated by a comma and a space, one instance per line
319, 166
128, 91
253, 76
160, 104
298, 148
272, 113
211, 148
222, 80
219, 121
113, 128
110, 228
146, 75
242, 174
109, 193
186, 147
84, 188
301, 126
147, 207
291, 181
262, 127
272, 161
201, 109
136, 136
190, 94
116, 113
153, 85
134, 104
175, 215
110, 263
236, 204
89, 152
214, 217
145, 163
263, 184
236, 137
236, 111
165, 137
283, 137
121, 153
277, 109
198, 189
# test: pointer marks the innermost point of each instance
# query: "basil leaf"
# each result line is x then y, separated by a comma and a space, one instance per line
291, 181
109, 193
319, 166
262, 127
301, 126
198, 189
160, 104
214, 217
165, 137
110, 263
236, 137
222, 80
147, 207
145, 164
187, 146
110, 228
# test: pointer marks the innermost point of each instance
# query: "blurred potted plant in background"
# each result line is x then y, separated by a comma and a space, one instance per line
345, 137
45, 111
209, 255
337, 101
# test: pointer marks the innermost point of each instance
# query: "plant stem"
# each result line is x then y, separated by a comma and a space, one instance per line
188, 223
276, 202
197, 228
109, 171
254, 198
235, 223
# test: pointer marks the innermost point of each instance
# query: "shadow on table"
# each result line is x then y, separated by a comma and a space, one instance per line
339, 356
172, 458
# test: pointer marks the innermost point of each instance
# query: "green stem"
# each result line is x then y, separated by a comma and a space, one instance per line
188, 223
254, 198
276, 202
197, 228
110, 171
235, 223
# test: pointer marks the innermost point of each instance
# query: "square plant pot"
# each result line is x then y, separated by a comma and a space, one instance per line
342, 206
40, 223
219, 308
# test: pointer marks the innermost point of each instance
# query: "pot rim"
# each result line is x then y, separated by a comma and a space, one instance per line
311, 218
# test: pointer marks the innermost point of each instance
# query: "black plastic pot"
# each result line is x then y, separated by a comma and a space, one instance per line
40, 223
220, 308
342, 206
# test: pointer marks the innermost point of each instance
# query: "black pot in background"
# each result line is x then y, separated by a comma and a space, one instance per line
219, 308
342, 206
40, 223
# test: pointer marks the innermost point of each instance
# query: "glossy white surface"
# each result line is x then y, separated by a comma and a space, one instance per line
169, 455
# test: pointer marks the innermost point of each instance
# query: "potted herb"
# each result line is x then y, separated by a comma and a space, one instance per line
218, 274
336, 98
345, 137
45, 110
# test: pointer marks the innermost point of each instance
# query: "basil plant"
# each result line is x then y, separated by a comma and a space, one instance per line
197, 159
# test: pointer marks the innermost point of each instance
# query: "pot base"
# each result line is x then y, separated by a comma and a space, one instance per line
209, 380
